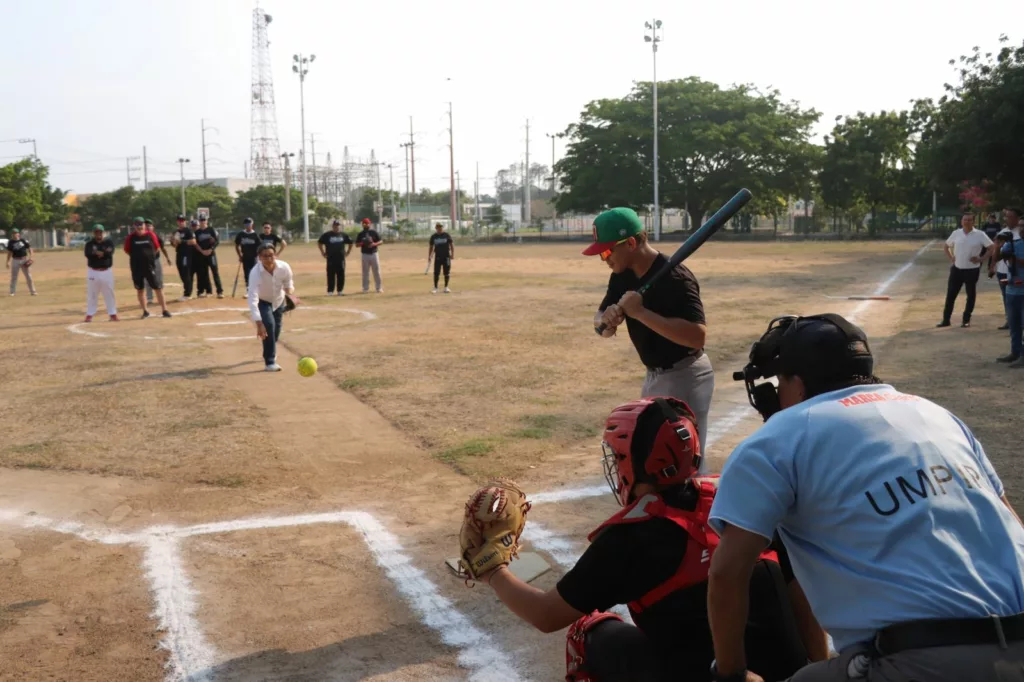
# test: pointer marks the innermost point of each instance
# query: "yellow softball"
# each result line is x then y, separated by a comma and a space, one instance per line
307, 367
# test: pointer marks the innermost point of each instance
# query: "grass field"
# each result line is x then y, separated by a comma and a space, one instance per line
170, 422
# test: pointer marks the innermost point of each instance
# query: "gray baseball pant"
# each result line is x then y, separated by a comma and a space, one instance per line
16, 267
974, 663
371, 262
692, 380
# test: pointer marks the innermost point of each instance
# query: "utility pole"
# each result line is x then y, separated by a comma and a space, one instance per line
287, 186
412, 155
476, 191
552, 160
26, 140
451, 162
653, 39
380, 197
528, 212
458, 194
391, 188
145, 169
301, 67
407, 146
181, 163
129, 168
202, 123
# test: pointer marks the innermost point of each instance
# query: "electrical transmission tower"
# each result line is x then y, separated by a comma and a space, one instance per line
265, 150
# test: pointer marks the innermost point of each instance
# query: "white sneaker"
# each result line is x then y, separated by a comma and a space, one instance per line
274, 367
184, 298
379, 291
434, 290
447, 290
339, 294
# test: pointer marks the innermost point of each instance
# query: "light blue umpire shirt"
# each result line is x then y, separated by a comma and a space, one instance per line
888, 506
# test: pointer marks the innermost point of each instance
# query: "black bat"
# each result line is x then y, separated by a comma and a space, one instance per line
237, 272
696, 240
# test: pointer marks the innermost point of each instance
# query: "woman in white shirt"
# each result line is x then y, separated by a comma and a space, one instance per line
269, 281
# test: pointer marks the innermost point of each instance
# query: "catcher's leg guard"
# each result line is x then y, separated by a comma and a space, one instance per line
575, 654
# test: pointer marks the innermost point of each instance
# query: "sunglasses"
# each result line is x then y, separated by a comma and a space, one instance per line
608, 252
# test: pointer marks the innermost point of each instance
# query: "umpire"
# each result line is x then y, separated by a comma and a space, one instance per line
247, 243
332, 247
666, 325
897, 525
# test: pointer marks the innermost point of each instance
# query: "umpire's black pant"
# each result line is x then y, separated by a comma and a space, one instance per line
959, 278
204, 265
183, 259
445, 264
335, 274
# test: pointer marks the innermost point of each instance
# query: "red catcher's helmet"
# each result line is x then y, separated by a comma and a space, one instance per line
669, 439
366, 221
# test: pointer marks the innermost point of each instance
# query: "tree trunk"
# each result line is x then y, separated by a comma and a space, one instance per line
696, 216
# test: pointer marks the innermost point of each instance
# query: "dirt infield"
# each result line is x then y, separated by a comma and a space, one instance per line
170, 511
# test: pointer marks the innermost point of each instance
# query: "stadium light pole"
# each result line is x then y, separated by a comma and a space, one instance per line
301, 67
181, 163
653, 39
287, 187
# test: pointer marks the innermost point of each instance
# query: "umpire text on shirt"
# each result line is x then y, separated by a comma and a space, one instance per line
666, 325
967, 248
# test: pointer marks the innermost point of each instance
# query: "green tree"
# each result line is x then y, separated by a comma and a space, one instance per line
711, 142
111, 209
27, 200
266, 202
975, 132
365, 208
160, 204
216, 199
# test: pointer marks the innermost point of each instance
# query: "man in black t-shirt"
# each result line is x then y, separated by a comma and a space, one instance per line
206, 259
99, 256
653, 556
368, 241
268, 237
19, 251
332, 245
184, 242
141, 247
247, 244
992, 228
443, 249
666, 325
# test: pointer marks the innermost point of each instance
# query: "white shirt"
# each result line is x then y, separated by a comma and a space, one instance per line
1001, 266
269, 287
966, 246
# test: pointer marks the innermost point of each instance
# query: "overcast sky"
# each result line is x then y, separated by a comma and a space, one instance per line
94, 80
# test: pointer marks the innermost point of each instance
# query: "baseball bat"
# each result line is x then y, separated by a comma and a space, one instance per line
427, 270
695, 241
237, 273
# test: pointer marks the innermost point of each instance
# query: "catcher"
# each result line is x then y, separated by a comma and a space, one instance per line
652, 556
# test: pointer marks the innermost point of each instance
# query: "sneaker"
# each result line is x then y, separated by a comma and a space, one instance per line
88, 318
339, 294
220, 295
145, 314
273, 367
944, 323
166, 313
33, 293
1003, 328
184, 298
330, 293
447, 290
1017, 364
965, 324
114, 318
434, 290
200, 295
365, 291
1008, 358
379, 291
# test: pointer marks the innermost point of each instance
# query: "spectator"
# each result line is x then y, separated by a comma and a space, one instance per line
1013, 251
966, 249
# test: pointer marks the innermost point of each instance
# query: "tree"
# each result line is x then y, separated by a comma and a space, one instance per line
494, 215
214, 198
160, 204
975, 132
266, 202
868, 158
111, 209
365, 208
26, 198
711, 142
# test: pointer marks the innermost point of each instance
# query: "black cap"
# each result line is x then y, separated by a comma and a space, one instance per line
825, 349
336, 222
181, 216
194, 222
247, 221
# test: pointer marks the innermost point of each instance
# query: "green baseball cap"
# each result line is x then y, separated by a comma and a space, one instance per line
98, 228
138, 220
613, 226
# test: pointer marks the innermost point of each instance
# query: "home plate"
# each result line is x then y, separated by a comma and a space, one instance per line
527, 567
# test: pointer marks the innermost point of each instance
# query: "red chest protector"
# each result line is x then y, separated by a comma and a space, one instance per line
703, 539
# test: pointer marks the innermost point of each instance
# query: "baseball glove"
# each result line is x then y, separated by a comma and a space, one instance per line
494, 520
291, 302
27, 263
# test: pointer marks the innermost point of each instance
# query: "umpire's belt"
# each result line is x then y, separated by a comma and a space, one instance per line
680, 364
924, 634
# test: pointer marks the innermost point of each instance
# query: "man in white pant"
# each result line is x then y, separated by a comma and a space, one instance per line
99, 255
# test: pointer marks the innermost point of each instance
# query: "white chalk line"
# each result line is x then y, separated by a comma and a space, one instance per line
84, 330
192, 659
566, 552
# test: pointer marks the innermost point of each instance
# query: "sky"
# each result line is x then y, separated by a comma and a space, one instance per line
93, 81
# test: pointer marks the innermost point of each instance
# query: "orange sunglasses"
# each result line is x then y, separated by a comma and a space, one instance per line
608, 252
